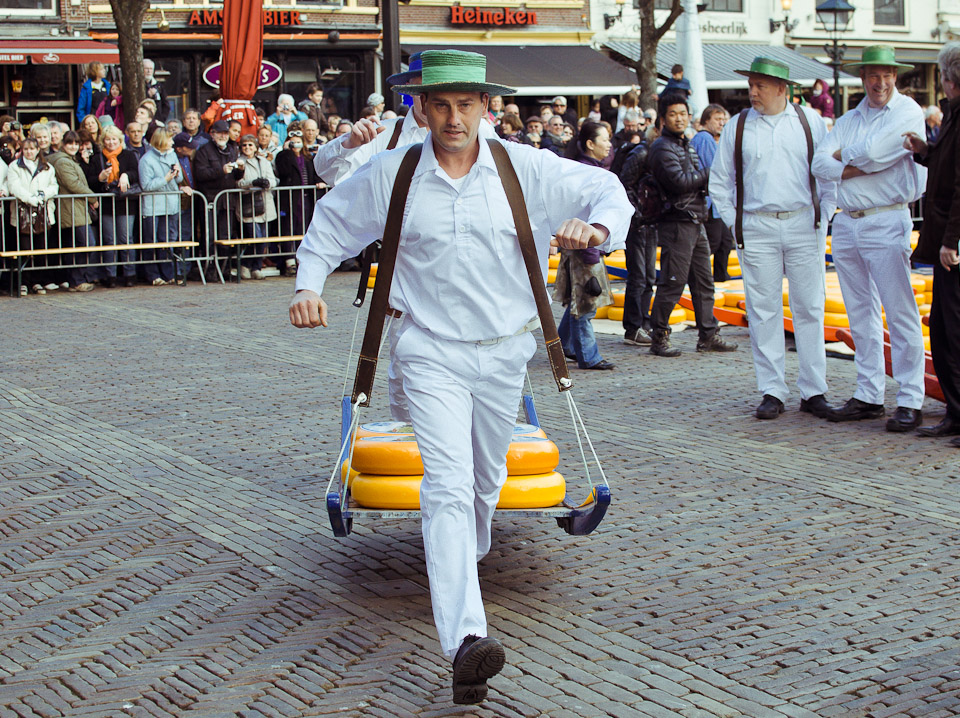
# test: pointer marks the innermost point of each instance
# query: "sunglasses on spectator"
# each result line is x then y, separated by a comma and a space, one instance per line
249, 144
295, 133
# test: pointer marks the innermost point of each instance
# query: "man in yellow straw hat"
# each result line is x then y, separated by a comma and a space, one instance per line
871, 237
467, 312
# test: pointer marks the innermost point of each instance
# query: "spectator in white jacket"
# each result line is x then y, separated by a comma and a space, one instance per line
33, 182
255, 208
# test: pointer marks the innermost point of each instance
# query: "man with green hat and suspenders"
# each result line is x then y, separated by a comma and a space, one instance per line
466, 226
878, 179
762, 186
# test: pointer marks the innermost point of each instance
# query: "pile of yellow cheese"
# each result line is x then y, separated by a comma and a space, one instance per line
387, 469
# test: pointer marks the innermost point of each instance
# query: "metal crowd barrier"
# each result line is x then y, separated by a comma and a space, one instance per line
120, 235
247, 230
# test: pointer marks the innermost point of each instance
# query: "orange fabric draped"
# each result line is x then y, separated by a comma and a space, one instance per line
242, 54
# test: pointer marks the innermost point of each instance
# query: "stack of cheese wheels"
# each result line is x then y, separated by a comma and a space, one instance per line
615, 312
387, 468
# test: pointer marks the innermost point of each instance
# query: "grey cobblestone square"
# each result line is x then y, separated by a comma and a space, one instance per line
165, 549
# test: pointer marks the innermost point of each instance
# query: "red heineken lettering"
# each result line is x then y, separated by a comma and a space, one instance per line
460, 15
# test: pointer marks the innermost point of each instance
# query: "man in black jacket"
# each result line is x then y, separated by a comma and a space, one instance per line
685, 252
215, 168
641, 253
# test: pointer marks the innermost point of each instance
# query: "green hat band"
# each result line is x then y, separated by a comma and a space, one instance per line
446, 66
766, 66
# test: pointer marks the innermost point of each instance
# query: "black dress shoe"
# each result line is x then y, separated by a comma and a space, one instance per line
770, 408
602, 365
478, 660
855, 410
816, 405
948, 426
905, 419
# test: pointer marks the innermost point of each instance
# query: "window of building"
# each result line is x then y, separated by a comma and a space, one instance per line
889, 12
712, 5
32, 8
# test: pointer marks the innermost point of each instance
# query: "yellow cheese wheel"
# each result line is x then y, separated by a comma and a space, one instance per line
403, 492
926, 343
601, 313
834, 319
618, 298
678, 315
690, 314
615, 314
924, 309
731, 297
551, 276
834, 303
554, 261
531, 455
385, 455
918, 283
384, 428
373, 269
370, 282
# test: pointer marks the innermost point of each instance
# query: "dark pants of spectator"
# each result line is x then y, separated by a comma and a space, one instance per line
250, 230
641, 256
81, 236
721, 244
118, 229
945, 335
684, 259
160, 263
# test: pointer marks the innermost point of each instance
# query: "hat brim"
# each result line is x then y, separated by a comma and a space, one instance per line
858, 65
748, 73
455, 87
402, 78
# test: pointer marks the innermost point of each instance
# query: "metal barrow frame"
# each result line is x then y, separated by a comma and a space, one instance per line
575, 520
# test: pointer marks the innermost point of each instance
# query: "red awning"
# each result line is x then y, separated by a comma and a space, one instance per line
57, 52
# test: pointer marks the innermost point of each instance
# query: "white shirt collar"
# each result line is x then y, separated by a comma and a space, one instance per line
429, 162
864, 104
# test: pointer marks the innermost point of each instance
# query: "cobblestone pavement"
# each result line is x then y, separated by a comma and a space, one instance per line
164, 549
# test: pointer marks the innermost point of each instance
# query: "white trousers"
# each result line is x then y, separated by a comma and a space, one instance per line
872, 256
463, 399
398, 401
771, 249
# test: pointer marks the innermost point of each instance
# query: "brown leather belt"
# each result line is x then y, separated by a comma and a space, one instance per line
395, 313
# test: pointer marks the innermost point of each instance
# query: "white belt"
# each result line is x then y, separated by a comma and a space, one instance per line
860, 213
528, 327
781, 214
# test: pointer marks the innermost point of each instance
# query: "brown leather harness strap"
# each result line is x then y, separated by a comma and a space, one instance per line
738, 167
528, 248
379, 304
370, 251
738, 171
395, 137
805, 124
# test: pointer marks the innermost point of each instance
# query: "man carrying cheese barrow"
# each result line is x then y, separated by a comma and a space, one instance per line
337, 160
467, 310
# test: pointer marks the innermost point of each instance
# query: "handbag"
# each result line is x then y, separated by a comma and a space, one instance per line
132, 191
252, 204
32, 219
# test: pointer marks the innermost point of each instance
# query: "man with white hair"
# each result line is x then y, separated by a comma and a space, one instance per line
286, 113
154, 90
559, 106
377, 102
878, 179
56, 134
933, 117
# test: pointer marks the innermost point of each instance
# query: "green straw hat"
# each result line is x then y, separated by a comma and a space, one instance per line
453, 71
882, 55
768, 67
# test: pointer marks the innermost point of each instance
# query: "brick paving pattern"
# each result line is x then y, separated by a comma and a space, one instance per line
165, 550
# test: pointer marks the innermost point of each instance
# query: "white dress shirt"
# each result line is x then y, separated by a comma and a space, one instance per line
459, 271
335, 163
776, 175
871, 140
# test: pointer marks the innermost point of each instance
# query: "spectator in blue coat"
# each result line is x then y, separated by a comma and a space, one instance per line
95, 90
160, 173
286, 113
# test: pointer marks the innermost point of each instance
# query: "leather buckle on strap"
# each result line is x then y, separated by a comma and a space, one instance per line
395, 313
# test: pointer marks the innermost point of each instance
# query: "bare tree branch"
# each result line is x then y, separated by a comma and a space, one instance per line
128, 16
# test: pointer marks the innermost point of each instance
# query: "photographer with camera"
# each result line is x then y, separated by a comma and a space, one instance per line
160, 213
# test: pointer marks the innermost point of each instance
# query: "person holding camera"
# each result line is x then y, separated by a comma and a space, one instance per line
582, 285
215, 169
160, 207
685, 251
256, 208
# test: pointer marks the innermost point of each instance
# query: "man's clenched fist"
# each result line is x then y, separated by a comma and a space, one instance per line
307, 309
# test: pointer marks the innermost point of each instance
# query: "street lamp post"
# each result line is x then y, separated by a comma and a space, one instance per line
835, 16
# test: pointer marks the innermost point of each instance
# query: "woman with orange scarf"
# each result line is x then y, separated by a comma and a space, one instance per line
118, 176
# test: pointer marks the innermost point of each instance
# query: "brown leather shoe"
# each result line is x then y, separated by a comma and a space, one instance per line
477, 661
905, 419
948, 426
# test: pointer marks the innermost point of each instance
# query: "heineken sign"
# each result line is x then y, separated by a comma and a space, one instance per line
460, 15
